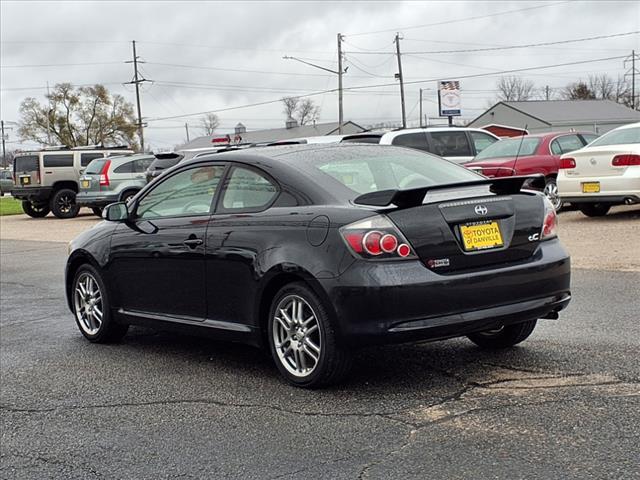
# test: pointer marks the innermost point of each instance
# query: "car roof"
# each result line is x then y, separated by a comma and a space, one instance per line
129, 157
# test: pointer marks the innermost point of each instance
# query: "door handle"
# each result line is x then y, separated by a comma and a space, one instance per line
193, 242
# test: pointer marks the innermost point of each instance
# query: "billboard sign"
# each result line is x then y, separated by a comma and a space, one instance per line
449, 103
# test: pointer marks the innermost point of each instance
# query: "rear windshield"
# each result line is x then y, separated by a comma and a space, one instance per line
27, 163
510, 148
95, 166
618, 137
371, 169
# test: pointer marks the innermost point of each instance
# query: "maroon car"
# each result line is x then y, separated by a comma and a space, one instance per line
538, 153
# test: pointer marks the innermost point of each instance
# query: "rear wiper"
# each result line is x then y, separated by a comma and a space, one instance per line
415, 196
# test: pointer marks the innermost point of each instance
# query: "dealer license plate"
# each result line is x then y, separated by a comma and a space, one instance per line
85, 183
591, 187
481, 236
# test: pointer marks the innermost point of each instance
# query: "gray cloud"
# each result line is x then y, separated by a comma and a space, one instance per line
255, 36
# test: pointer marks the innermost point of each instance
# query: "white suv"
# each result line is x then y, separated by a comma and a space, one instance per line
604, 173
458, 145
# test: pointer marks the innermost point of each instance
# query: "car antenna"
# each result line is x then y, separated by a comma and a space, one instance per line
519, 147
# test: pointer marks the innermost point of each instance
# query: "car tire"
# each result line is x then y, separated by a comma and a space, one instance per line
551, 192
595, 209
35, 210
304, 337
128, 195
504, 337
63, 204
97, 211
92, 309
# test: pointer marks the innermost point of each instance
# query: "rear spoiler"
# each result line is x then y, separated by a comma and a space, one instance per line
415, 196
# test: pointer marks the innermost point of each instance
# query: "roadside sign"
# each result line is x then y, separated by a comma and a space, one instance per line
449, 102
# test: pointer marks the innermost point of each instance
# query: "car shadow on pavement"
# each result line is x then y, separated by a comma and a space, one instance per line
393, 370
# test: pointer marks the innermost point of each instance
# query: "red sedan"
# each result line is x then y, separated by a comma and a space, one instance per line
538, 153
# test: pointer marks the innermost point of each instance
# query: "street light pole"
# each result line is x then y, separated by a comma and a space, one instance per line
340, 113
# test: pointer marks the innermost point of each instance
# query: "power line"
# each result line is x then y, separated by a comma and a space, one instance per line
413, 82
61, 64
510, 47
448, 22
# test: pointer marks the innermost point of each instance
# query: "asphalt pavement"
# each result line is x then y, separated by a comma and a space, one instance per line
565, 404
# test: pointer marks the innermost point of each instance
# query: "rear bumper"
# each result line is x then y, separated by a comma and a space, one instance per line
615, 199
394, 302
613, 188
85, 199
33, 194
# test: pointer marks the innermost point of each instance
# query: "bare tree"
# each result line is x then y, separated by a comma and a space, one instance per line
209, 123
514, 89
290, 105
578, 91
308, 112
602, 86
78, 116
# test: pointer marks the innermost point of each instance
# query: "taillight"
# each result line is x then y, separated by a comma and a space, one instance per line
550, 223
376, 237
567, 163
625, 160
104, 174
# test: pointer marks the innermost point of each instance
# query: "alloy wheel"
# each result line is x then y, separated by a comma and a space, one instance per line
296, 335
65, 203
88, 303
551, 191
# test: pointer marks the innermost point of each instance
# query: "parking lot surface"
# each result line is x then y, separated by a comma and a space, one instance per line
564, 404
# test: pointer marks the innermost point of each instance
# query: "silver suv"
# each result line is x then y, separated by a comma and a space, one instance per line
114, 179
47, 180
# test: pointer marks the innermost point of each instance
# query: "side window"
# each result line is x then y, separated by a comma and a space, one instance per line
51, 161
569, 143
124, 168
187, 193
555, 147
481, 140
140, 166
85, 158
451, 144
412, 140
247, 189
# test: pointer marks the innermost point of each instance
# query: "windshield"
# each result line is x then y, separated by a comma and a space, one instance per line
623, 136
163, 163
520, 146
372, 169
95, 167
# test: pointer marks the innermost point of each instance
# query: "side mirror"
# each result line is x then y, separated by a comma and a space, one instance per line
116, 212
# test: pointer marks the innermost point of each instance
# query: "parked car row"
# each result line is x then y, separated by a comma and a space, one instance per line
63, 181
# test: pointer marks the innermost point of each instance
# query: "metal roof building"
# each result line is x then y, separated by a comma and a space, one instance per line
293, 130
539, 116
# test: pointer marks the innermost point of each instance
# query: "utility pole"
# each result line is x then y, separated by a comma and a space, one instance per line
632, 73
4, 153
420, 108
546, 92
48, 116
340, 113
186, 127
137, 80
399, 77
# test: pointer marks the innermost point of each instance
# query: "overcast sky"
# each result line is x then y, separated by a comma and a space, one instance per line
204, 56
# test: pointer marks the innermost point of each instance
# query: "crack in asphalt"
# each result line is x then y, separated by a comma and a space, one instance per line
470, 386
51, 461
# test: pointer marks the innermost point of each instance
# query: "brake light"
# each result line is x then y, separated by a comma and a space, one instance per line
376, 237
625, 160
567, 163
550, 222
104, 174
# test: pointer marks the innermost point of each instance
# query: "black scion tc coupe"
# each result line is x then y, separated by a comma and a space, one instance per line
313, 250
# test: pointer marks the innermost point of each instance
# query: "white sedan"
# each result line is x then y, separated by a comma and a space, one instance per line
604, 173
